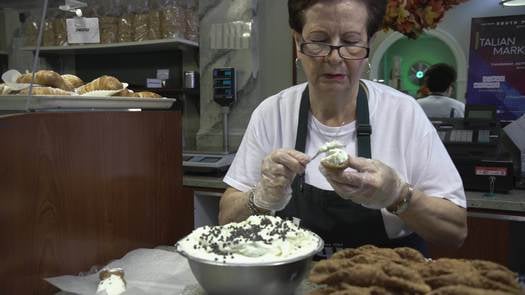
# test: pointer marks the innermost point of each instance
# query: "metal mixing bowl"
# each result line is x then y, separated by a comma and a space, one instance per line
273, 278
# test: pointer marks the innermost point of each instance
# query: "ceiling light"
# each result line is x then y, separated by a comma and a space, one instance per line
512, 2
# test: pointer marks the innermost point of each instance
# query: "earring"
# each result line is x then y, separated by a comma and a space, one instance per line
298, 63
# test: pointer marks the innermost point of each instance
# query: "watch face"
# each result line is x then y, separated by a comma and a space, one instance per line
402, 207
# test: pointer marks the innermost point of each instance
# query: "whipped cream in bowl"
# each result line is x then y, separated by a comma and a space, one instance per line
263, 254
260, 239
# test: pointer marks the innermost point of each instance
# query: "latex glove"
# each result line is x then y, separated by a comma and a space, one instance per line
273, 192
372, 184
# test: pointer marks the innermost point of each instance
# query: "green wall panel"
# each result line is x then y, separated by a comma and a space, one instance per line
426, 49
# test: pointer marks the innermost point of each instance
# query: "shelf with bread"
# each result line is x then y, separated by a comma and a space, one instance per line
168, 92
141, 46
51, 90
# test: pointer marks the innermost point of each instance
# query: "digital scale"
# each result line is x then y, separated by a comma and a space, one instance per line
225, 94
206, 162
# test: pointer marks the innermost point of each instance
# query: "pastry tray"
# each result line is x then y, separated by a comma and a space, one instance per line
20, 103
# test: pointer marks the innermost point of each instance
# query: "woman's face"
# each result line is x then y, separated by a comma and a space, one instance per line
341, 22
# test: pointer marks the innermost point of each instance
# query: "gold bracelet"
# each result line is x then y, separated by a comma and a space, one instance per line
254, 210
401, 204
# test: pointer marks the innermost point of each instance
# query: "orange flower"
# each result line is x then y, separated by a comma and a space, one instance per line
411, 17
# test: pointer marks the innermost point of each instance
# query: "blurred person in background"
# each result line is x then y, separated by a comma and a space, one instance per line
438, 104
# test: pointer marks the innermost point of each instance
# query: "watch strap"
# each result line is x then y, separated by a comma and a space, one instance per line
254, 210
401, 204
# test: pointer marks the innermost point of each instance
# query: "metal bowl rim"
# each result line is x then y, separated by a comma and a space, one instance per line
320, 246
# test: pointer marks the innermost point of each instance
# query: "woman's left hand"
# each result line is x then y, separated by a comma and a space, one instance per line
372, 184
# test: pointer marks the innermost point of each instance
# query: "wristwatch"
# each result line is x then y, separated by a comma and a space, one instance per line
401, 204
254, 210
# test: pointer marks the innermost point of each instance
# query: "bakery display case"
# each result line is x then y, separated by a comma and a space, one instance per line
143, 46
135, 39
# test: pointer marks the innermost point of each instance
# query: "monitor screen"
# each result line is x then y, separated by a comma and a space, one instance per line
480, 114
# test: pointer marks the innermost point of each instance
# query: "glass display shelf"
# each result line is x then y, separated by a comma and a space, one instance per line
147, 45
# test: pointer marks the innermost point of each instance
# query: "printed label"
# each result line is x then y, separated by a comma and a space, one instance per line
492, 171
81, 30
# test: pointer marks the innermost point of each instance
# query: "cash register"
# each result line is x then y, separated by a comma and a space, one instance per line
475, 146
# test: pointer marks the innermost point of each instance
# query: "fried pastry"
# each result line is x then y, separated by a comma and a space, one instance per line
464, 290
4, 89
410, 254
101, 83
335, 159
46, 78
388, 275
124, 93
352, 290
112, 281
372, 270
73, 80
444, 266
44, 91
367, 249
472, 279
146, 94
484, 265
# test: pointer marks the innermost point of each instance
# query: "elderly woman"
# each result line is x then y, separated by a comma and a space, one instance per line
398, 186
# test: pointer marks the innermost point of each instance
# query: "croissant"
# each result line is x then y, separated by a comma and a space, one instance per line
73, 80
46, 78
44, 91
146, 94
4, 89
101, 83
124, 93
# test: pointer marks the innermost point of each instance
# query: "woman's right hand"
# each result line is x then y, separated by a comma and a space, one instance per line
279, 168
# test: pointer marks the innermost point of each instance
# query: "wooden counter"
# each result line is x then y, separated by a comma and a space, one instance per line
78, 189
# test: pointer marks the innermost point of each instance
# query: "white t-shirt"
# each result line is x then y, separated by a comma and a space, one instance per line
402, 137
436, 106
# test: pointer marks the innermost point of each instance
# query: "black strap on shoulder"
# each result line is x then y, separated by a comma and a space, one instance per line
363, 127
364, 130
302, 127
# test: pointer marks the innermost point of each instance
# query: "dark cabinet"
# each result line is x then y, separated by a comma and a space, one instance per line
492, 235
79, 189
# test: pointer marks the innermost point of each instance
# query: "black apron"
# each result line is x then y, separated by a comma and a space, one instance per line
341, 223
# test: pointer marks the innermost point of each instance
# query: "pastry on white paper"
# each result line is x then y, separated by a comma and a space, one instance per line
111, 282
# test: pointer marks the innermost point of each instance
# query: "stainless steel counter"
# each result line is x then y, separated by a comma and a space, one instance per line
203, 181
513, 201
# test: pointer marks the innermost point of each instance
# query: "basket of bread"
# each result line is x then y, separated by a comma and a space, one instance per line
47, 82
49, 89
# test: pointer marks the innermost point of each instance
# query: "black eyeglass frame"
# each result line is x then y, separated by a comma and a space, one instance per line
332, 47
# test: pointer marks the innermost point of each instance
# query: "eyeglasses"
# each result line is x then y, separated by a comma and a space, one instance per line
352, 52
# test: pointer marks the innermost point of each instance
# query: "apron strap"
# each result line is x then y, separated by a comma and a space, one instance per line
302, 125
302, 132
364, 129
